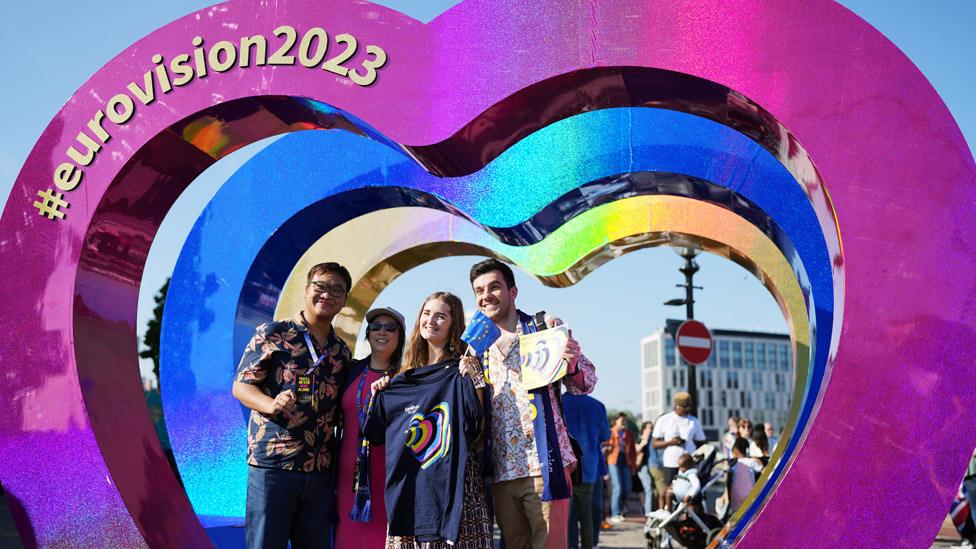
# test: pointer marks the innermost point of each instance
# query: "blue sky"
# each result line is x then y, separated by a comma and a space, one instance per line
52, 48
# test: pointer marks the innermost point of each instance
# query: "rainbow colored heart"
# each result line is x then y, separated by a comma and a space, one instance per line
429, 437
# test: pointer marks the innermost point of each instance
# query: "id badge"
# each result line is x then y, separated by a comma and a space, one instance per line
305, 389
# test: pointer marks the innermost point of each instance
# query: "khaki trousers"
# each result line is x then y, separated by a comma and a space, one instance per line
525, 520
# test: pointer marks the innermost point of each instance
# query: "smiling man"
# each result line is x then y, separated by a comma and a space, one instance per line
288, 377
531, 495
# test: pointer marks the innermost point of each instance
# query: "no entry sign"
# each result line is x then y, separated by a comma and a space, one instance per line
694, 342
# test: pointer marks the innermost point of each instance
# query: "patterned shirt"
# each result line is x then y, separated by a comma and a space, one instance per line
302, 440
514, 452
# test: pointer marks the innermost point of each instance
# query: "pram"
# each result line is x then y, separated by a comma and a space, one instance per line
685, 525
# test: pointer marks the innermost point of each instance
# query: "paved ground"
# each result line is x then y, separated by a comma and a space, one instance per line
629, 534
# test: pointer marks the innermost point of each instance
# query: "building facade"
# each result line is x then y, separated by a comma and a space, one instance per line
749, 374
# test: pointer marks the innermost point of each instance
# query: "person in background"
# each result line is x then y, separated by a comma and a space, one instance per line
745, 431
649, 470
743, 471
586, 419
677, 432
622, 462
729, 437
761, 442
686, 485
771, 436
358, 528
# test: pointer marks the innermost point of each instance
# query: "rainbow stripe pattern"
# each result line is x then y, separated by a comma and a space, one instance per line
429, 437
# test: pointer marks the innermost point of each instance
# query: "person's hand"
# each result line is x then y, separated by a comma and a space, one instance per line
469, 366
380, 384
676, 441
687, 500
572, 354
283, 402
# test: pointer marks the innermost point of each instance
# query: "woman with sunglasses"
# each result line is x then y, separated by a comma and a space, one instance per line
436, 339
385, 334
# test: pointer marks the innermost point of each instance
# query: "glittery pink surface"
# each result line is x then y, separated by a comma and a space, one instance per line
892, 437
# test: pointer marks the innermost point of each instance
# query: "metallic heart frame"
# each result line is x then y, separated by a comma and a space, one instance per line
773, 74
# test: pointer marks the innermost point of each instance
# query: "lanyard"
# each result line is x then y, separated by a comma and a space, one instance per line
362, 408
316, 359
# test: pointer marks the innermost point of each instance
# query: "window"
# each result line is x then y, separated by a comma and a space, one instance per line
780, 386
650, 353
750, 355
708, 399
723, 357
722, 399
757, 381
787, 357
733, 380
761, 356
736, 354
669, 357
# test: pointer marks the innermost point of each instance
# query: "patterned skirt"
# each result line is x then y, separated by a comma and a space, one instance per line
475, 531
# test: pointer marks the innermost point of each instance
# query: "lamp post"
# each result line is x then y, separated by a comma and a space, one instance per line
688, 269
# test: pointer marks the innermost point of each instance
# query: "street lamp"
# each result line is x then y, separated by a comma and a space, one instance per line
688, 269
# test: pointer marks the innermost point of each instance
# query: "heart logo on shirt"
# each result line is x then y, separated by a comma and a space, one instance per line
429, 437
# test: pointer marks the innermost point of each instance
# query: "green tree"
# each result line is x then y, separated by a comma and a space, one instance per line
153, 330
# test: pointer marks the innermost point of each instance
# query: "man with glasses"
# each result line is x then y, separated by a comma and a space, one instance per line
677, 432
289, 378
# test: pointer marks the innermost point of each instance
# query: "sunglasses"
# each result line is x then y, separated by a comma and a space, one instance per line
388, 326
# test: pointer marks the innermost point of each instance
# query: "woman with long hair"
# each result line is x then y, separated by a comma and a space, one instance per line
436, 339
362, 525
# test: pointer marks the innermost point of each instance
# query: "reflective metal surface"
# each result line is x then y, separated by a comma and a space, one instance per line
326, 186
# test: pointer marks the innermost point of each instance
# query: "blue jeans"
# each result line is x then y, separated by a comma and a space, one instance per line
648, 483
285, 506
620, 487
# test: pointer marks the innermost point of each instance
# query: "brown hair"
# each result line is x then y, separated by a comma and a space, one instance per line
418, 350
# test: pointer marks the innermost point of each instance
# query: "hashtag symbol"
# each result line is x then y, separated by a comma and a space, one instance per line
51, 205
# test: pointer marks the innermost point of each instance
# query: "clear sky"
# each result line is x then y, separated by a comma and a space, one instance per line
51, 48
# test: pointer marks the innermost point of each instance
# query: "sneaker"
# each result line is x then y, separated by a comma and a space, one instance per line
617, 519
605, 525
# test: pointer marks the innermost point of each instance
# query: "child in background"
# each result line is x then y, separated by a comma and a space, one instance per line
686, 485
742, 474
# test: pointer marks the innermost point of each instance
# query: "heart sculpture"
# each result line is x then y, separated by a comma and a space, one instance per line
581, 130
429, 437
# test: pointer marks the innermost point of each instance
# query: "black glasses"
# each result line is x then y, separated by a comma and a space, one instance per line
323, 288
388, 326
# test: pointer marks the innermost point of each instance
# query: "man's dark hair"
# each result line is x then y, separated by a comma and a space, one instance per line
330, 267
742, 445
489, 265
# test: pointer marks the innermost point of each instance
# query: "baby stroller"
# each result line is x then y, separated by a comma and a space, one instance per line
689, 526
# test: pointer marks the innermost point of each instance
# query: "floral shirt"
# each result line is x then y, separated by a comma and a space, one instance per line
302, 440
514, 452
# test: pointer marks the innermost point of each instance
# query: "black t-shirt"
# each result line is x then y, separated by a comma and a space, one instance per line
425, 417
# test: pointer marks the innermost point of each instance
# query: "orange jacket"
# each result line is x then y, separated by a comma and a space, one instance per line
629, 448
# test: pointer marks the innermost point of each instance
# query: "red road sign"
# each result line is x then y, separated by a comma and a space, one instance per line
694, 341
